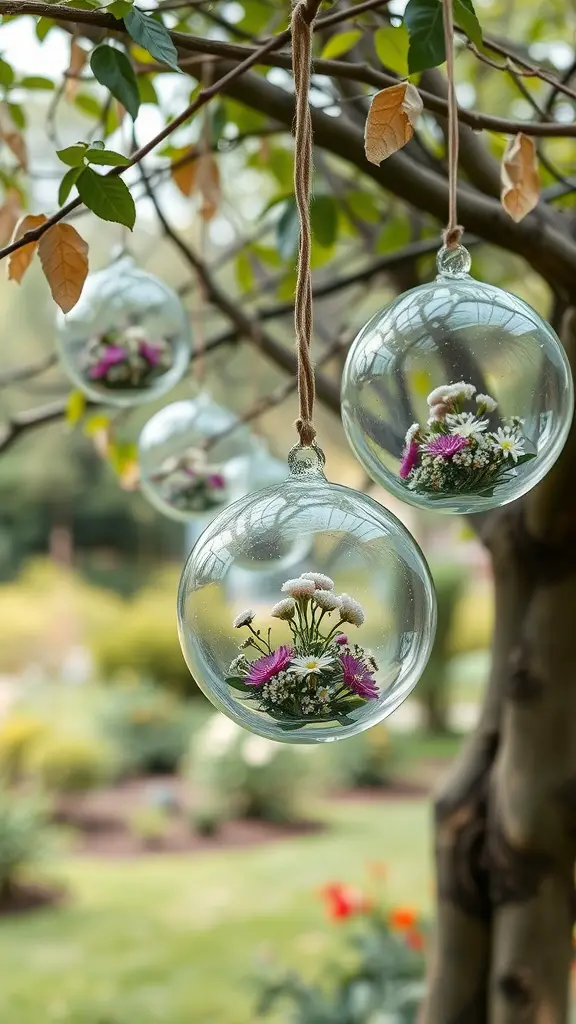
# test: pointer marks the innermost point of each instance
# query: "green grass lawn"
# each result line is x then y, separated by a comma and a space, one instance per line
174, 939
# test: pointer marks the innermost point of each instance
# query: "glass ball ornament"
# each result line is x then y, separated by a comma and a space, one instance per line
457, 396
194, 458
330, 652
127, 339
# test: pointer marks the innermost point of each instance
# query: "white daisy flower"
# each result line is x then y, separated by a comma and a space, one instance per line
465, 424
486, 403
284, 609
351, 611
326, 600
322, 582
244, 619
299, 588
310, 664
509, 443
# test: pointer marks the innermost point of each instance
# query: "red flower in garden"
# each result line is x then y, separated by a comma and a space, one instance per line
414, 940
342, 901
402, 918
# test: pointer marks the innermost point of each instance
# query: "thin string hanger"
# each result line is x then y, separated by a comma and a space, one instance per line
453, 231
303, 15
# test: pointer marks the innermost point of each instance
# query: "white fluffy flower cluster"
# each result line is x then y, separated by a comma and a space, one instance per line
319, 588
243, 619
351, 611
284, 609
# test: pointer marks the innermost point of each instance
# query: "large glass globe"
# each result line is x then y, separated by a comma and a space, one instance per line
457, 396
194, 458
336, 648
127, 339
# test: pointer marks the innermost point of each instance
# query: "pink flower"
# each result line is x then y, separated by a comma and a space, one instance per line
341, 639
409, 459
262, 670
217, 481
151, 353
446, 445
358, 677
113, 355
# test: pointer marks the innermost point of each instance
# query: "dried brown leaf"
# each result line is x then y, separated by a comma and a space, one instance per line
20, 259
184, 173
9, 215
78, 58
519, 177
200, 174
17, 143
64, 257
391, 119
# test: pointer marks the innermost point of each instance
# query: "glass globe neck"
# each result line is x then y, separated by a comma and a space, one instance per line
453, 263
306, 461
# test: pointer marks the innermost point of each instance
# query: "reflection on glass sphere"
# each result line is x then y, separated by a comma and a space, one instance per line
193, 458
127, 340
329, 653
457, 396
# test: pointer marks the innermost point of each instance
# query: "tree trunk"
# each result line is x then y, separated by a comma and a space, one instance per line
505, 819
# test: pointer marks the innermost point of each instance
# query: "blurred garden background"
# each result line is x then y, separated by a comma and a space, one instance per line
157, 864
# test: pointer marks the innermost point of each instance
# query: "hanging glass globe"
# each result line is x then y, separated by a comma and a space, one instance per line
332, 651
193, 458
458, 396
127, 340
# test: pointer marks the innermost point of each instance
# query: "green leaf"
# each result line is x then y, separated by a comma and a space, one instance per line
107, 196
244, 271
37, 82
94, 424
324, 220
43, 27
88, 104
465, 17
113, 70
288, 231
73, 156
153, 36
17, 114
391, 45
67, 183
146, 89
119, 9
365, 206
6, 74
107, 157
75, 407
423, 19
238, 684
340, 43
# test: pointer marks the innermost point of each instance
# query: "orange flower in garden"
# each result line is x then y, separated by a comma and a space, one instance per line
414, 940
342, 901
402, 918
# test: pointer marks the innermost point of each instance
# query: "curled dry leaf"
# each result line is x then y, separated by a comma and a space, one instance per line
78, 58
391, 119
199, 174
20, 259
64, 257
9, 215
17, 143
183, 171
519, 177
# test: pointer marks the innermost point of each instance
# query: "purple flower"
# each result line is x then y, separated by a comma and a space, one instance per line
217, 481
446, 445
409, 459
341, 639
113, 354
262, 670
151, 353
358, 677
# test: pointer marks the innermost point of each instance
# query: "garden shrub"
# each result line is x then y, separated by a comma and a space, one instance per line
149, 825
238, 775
149, 727
19, 734
23, 838
70, 763
369, 759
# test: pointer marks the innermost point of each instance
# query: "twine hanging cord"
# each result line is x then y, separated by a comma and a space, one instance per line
303, 15
453, 231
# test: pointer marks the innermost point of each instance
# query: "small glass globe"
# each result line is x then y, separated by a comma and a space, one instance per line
127, 339
457, 397
194, 458
329, 653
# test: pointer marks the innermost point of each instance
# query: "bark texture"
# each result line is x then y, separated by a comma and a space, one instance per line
505, 818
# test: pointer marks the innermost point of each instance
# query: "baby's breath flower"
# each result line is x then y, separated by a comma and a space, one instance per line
243, 619
321, 581
299, 588
326, 600
284, 609
351, 611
